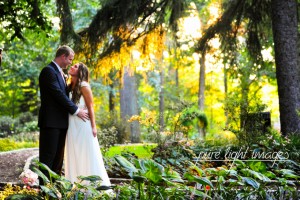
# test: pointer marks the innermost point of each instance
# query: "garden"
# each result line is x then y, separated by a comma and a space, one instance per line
174, 167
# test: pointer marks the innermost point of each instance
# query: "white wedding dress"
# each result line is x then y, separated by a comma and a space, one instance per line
82, 152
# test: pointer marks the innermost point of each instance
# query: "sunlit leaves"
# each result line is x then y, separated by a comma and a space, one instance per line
16, 16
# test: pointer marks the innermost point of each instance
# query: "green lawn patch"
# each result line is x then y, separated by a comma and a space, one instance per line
141, 150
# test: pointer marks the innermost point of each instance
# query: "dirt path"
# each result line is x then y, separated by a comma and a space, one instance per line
12, 164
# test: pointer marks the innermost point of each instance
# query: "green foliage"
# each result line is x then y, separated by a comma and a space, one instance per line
58, 187
19, 15
18, 193
23, 59
178, 155
30, 127
6, 126
25, 123
8, 144
110, 121
25, 117
189, 115
151, 180
193, 119
107, 138
26, 137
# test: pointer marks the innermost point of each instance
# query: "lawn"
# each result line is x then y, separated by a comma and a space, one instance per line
142, 150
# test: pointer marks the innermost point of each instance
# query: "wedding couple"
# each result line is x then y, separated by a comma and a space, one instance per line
68, 123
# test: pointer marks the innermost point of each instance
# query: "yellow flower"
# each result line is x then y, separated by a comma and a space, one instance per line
135, 118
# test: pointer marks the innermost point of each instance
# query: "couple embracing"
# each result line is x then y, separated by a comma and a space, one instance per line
68, 132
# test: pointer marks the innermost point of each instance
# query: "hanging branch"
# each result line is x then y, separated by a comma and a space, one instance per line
68, 35
223, 24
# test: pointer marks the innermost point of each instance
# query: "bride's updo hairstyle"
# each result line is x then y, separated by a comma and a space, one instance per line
83, 75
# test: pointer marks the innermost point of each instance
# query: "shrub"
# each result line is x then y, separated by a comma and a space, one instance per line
30, 127
107, 120
25, 117
6, 126
26, 122
6, 144
107, 138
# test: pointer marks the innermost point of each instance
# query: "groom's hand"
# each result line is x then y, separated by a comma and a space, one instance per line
83, 114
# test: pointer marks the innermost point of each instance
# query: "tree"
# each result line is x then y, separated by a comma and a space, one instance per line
285, 33
258, 15
129, 104
17, 16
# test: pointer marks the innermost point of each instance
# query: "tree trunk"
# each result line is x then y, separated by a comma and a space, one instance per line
129, 105
111, 94
161, 101
285, 33
226, 91
201, 82
111, 98
67, 36
201, 96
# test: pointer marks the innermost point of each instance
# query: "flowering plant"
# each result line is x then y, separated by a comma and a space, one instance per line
28, 177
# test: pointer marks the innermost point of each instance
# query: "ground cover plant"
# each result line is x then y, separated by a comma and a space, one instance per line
180, 168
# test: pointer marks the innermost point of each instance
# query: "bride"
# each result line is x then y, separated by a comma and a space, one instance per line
83, 156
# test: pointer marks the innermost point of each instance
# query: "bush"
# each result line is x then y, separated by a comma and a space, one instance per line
26, 122
25, 117
6, 126
6, 144
107, 120
30, 127
107, 138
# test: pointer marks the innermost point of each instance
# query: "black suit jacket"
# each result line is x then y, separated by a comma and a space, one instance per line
55, 103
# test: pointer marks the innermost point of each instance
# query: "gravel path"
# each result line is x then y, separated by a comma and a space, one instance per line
12, 163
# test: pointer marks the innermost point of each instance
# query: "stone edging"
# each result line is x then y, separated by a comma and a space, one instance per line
28, 161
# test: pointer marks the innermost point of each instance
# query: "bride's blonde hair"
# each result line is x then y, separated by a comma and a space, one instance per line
83, 75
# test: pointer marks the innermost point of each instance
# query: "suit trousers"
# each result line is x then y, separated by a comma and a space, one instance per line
51, 149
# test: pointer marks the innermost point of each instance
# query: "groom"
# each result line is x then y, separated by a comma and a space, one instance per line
55, 109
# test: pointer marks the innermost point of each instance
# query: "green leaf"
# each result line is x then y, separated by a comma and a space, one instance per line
249, 172
287, 173
66, 184
200, 194
195, 170
240, 164
153, 170
197, 179
51, 173
221, 179
172, 175
258, 166
104, 187
125, 163
251, 182
212, 171
40, 174
50, 192
92, 178
270, 174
